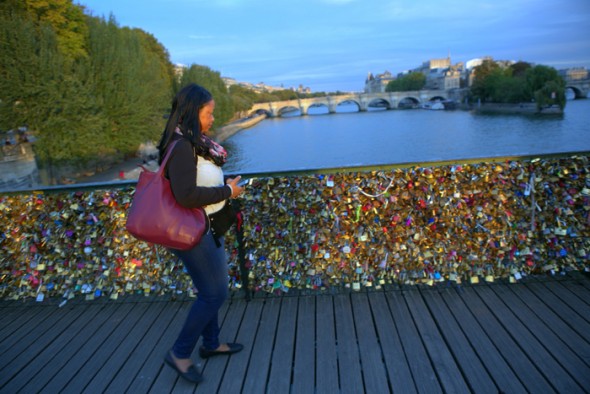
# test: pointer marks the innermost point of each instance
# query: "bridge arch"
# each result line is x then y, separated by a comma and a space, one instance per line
319, 106
409, 102
380, 103
261, 111
437, 98
340, 103
578, 92
287, 109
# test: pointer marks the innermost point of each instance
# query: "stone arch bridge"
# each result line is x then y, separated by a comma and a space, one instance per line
580, 87
388, 100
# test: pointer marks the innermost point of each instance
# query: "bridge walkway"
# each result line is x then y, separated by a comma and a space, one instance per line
533, 336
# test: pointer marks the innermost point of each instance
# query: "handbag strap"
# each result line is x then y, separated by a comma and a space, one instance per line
166, 157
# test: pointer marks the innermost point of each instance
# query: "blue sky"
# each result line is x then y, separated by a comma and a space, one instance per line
331, 45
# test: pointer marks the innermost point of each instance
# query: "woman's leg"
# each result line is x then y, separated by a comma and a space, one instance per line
207, 266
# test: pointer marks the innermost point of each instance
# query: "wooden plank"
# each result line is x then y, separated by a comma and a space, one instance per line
528, 340
177, 384
547, 339
105, 349
349, 362
583, 279
279, 380
183, 386
63, 348
59, 379
524, 368
305, 346
474, 372
502, 374
398, 370
326, 355
444, 365
238, 363
422, 370
24, 352
116, 359
371, 352
9, 317
577, 287
573, 340
166, 379
144, 350
561, 309
20, 325
570, 298
214, 369
154, 367
259, 366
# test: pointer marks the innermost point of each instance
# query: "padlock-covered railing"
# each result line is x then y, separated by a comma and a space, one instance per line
414, 223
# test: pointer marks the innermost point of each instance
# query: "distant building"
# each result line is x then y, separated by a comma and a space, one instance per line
378, 83
574, 74
302, 89
440, 74
261, 87
229, 81
178, 70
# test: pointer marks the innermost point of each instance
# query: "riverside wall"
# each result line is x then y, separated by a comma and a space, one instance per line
229, 130
520, 108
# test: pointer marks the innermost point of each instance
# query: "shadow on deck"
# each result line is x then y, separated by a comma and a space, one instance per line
527, 337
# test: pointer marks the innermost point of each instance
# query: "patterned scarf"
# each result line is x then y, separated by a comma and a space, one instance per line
209, 149
212, 151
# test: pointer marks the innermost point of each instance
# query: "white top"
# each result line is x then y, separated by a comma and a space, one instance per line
209, 175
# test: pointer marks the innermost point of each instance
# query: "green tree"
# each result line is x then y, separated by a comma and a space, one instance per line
519, 69
165, 68
243, 98
405, 83
479, 88
211, 80
131, 86
67, 20
518, 83
43, 89
547, 86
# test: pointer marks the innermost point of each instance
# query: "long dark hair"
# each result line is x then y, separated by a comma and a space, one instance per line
185, 115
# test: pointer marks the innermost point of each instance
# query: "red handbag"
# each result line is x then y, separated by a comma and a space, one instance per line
155, 216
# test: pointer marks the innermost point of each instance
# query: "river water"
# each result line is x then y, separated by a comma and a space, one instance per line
379, 137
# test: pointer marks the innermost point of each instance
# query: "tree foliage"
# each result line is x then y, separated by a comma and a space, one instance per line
211, 80
67, 21
518, 83
405, 83
131, 85
90, 99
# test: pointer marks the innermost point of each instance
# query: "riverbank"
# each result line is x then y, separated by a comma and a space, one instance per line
519, 108
229, 130
130, 169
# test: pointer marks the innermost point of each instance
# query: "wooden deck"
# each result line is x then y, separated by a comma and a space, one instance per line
528, 337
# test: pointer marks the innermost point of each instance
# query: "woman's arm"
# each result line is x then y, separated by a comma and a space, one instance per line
182, 172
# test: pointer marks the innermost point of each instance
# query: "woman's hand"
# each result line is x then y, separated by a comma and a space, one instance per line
236, 189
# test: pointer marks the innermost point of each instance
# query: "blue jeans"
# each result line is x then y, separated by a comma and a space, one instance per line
206, 264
